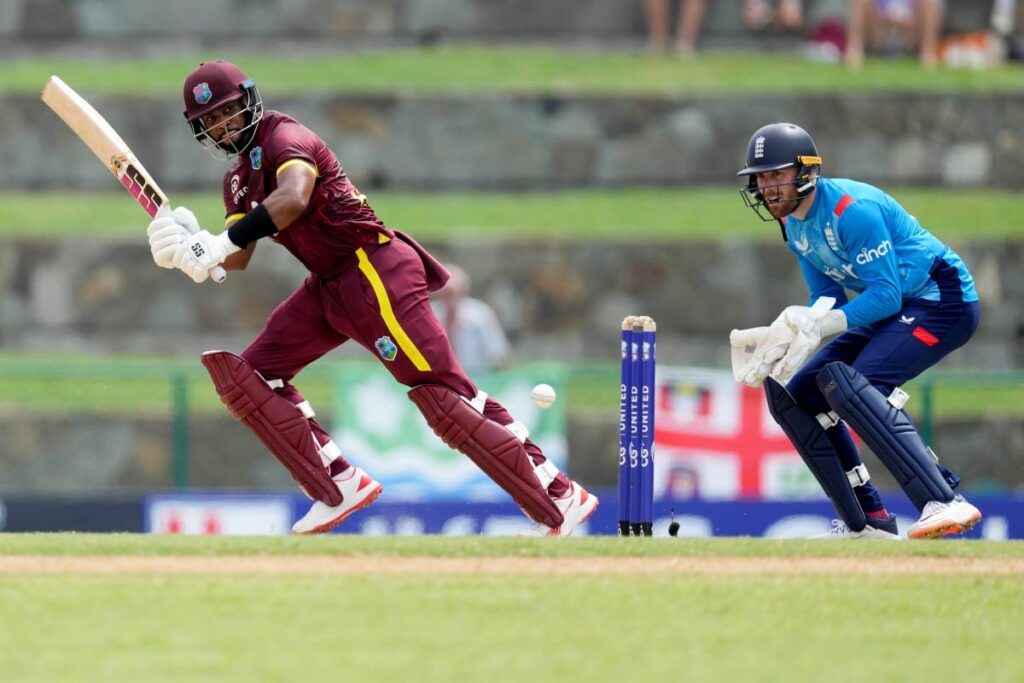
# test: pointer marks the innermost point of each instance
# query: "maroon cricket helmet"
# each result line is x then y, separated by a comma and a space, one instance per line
211, 86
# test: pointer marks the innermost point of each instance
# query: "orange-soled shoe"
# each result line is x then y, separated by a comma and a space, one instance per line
358, 490
940, 519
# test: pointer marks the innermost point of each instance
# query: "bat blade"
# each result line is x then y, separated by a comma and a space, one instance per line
104, 142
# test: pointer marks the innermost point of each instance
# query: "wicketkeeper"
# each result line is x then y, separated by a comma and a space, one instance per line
366, 283
916, 304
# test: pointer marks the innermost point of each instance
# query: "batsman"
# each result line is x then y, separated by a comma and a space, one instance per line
916, 303
367, 283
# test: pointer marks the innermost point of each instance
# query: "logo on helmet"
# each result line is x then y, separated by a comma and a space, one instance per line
202, 93
256, 157
759, 148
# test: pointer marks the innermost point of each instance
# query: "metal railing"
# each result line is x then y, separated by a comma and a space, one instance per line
965, 394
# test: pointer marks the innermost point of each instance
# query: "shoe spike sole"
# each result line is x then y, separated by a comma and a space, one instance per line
580, 523
947, 529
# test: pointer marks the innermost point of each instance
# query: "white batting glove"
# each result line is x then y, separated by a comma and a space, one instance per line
168, 230
186, 219
201, 252
165, 236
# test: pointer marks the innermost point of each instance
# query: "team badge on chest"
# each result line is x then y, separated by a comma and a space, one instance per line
256, 157
386, 348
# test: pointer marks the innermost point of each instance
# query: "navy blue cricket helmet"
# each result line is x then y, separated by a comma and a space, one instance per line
775, 146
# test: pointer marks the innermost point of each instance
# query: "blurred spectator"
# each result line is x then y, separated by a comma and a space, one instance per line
893, 27
659, 22
990, 43
1008, 20
759, 15
472, 326
825, 30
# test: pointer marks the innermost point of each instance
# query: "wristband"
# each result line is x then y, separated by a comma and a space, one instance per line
251, 227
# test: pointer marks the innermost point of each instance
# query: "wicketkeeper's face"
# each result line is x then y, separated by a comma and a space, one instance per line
224, 123
779, 190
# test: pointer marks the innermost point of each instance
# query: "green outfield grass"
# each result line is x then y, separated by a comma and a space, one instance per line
482, 546
123, 385
441, 626
608, 214
471, 69
145, 385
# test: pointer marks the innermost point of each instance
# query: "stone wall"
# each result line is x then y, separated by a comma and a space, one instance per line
74, 454
423, 141
394, 20
560, 300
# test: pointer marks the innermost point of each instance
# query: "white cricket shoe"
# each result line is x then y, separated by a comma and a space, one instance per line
940, 519
576, 506
358, 490
840, 530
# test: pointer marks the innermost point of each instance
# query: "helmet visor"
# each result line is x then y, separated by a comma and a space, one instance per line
764, 168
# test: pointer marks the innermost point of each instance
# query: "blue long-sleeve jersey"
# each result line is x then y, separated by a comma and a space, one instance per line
858, 238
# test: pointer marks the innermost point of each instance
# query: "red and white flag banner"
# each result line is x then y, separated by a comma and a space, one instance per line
715, 439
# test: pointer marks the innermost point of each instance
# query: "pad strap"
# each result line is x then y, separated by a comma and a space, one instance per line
329, 452
858, 476
546, 473
827, 420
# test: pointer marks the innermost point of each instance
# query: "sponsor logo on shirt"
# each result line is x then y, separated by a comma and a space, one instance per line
836, 275
386, 348
802, 246
236, 193
868, 255
840, 275
907, 321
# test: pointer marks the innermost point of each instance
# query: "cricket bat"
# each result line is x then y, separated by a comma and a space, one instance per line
109, 148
